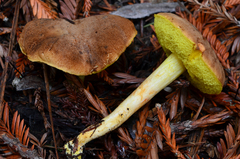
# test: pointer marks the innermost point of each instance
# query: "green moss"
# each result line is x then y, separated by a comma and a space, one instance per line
174, 41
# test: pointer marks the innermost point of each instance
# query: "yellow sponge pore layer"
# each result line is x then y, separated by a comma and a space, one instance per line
173, 40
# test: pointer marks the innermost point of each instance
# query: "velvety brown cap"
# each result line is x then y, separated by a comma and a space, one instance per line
84, 47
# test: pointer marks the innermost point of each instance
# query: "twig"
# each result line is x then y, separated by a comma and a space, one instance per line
199, 110
12, 39
15, 144
204, 121
183, 7
2, 64
49, 107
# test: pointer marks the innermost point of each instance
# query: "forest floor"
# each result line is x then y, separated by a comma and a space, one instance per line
179, 122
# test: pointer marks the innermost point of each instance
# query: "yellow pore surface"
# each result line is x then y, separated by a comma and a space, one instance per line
174, 41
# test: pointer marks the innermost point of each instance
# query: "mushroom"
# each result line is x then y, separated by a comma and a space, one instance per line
187, 49
79, 47
180, 37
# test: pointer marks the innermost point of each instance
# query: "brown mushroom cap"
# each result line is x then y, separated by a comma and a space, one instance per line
85, 47
178, 36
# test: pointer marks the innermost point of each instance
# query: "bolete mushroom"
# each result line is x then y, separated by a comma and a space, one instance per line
183, 40
79, 47
187, 49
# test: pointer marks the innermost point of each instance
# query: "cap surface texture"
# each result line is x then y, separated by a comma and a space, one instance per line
177, 35
84, 47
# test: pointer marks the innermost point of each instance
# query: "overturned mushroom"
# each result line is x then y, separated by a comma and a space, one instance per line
187, 49
183, 40
79, 47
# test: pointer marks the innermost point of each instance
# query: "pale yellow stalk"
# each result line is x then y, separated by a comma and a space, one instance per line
166, 73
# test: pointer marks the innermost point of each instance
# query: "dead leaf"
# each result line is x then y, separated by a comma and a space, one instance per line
142, 10
29, 82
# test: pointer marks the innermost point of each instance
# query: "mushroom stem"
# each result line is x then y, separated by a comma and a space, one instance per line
166, 73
